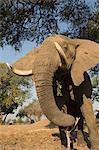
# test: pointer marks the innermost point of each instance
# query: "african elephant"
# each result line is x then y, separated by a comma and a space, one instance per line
61, 58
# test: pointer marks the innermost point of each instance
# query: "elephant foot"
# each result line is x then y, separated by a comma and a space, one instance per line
95, 147
64, 148
95, 144
82, 147
81, 144
80, 139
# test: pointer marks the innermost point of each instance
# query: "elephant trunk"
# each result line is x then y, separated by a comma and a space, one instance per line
44, 85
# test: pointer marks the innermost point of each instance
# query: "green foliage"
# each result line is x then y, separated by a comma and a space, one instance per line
34, 20
25, 20
94, 73
91, 30
13, 90
95, 81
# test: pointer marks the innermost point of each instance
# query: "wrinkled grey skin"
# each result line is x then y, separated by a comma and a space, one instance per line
49, 65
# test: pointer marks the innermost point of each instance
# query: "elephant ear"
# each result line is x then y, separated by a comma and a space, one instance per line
87, 56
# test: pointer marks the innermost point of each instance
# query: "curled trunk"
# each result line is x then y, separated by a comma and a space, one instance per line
44, 79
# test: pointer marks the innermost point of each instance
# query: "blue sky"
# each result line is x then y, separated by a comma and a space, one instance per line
9, 55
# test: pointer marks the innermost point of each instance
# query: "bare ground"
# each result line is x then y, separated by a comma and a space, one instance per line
30, 137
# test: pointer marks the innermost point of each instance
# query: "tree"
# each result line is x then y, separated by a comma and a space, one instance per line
95, 83
34, 20
33, 111
26, 20
13, 90
91, 30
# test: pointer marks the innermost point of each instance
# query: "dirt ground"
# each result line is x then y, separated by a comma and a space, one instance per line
30, 137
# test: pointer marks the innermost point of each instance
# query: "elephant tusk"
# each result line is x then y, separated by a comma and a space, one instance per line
20, 72
62, 54
9, 66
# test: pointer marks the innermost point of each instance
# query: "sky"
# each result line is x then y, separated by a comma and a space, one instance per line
9, 55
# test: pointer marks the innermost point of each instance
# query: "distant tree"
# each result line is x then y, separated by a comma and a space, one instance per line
33, 111
13, 90
95, 83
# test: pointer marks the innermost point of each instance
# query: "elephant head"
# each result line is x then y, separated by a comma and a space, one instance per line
56, 51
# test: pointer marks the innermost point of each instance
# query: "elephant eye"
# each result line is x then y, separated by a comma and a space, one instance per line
65, 48
77, 46
72, 56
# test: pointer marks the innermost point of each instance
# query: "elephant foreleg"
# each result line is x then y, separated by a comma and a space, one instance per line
88, 114
81, 144
62, 130
64, 134
63, 137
